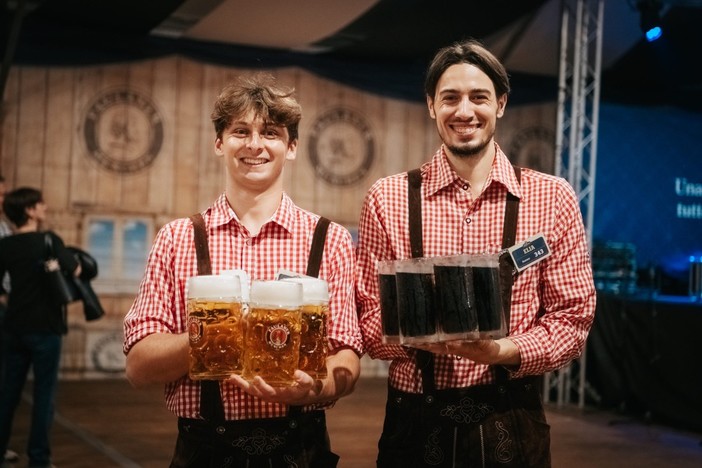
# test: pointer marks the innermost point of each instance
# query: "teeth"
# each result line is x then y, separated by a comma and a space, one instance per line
253, 161
464, 130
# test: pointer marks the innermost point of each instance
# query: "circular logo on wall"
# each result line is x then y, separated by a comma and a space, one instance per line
341, 146
107, 355
123, 130
533, 147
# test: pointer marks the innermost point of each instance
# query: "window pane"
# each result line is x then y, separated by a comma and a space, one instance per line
101, 246
135, 249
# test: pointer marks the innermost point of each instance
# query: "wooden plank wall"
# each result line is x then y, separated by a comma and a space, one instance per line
42, 143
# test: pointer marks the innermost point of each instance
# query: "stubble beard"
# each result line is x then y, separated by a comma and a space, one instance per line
466, 151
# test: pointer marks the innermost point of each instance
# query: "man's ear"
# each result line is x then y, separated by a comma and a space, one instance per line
430, 105
218, 147
501, 105
291, 154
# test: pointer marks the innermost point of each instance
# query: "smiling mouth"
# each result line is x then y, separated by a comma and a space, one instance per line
465, 130
254, 161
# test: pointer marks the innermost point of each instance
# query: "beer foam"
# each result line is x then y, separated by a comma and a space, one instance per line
313, 289
243, 279
280, 293
213, 286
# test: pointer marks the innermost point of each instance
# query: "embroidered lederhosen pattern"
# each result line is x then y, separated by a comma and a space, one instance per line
259, 442
433, 455
504, 450
467, 411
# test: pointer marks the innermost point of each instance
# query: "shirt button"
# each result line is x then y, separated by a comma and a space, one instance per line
220, 430
468, 220
465, 187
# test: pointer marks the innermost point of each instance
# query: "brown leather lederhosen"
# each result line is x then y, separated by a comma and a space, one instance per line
300, 439
501, 424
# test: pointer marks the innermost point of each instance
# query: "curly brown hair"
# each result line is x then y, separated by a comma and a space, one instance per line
260, 94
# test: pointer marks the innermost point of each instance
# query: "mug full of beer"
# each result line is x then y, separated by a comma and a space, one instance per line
313, 337
273, 326
215, 326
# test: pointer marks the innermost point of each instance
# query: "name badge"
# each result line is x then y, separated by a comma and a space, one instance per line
284, 274
532, 251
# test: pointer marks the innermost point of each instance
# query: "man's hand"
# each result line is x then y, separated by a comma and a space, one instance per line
502, 352
343, 369
480, 351
436, 348
300, 392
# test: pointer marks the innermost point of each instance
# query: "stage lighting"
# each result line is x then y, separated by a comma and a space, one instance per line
650, 19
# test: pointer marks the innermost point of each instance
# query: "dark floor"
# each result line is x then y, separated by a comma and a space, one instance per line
106, 423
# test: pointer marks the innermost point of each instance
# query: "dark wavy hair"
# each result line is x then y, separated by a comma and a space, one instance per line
471, 52
18, 201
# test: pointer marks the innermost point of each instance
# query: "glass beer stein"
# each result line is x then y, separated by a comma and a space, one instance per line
273, 325
468, 297
215, 326
414, 279
455, 298
389, 317
313, 337
488, 299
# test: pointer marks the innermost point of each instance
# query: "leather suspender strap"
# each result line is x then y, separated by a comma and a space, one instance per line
414, 205
314, 262
202, 250
317, 248
509, 237
424, 359
506, 267
211, 407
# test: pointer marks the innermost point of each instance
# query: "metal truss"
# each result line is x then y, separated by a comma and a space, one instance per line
576, 145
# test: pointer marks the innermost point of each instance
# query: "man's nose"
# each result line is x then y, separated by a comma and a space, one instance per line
465, 106
255, 140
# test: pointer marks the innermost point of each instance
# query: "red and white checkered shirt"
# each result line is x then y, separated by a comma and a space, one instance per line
283, 243
553, 301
